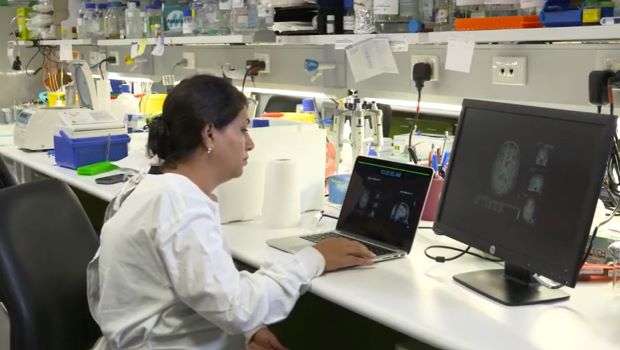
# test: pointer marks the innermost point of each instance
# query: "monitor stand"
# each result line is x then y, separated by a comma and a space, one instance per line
511, 286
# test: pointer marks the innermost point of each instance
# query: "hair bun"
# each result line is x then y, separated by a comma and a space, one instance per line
159, 138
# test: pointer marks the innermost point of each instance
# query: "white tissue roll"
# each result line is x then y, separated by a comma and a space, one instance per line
281, 199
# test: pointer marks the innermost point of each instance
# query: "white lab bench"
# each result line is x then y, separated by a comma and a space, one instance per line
414, 295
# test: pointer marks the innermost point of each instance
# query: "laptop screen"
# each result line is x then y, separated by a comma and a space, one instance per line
384, 201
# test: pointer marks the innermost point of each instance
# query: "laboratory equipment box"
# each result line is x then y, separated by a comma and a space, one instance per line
75, 152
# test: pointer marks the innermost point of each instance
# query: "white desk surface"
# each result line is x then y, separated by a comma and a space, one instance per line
418, 297
45, 164
414, 295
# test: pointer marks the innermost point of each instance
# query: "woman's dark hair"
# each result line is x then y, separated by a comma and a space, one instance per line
193, 104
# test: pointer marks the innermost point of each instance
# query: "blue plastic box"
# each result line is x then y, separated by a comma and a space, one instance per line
73, 153
559, 13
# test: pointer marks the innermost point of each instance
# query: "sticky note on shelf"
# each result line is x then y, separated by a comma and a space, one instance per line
459, 54
66, 51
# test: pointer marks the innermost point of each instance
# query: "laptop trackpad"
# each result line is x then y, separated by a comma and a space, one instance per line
289, 244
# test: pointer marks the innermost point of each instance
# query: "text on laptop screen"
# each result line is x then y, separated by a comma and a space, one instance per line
384, 202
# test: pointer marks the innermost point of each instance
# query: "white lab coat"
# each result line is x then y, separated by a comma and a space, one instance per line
164, 278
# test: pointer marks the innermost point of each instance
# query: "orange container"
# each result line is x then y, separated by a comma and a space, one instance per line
490, 23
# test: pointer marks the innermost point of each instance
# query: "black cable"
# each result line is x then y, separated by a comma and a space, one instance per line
245, 76
36, 71
413, 155
462, 252
591, 240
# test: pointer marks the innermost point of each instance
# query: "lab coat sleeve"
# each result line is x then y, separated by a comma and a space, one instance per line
204, 277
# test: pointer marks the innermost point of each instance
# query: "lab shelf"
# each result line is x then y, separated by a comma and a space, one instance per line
128, 42
558, 34
74, 42
214, 39
588, 33
184, 40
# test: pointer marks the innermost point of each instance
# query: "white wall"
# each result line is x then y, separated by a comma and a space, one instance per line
15, 87
556, 73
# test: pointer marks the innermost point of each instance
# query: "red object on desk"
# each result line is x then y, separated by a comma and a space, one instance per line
432, 200
273, 114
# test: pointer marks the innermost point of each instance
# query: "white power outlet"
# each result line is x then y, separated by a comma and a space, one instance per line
430, 59
93, 57
191, 60
116, 56
265, 58
509, 70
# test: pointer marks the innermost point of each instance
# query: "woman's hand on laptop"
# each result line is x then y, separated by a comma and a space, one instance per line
341, 252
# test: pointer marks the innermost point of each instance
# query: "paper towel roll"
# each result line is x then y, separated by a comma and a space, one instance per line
281, 199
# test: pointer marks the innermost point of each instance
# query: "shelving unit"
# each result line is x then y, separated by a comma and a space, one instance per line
592, 33
184, 40
563, 34
74, 42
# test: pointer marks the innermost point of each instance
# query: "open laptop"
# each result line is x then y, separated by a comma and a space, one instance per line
382, 209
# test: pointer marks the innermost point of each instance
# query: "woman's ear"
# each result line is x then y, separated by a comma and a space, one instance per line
208, 139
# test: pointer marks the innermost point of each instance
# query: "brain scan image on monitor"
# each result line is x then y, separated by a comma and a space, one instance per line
536, 183
400, 213
529, 210
505, 168
363, 202
542, 157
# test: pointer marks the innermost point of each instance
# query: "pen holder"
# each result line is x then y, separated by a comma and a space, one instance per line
432, 200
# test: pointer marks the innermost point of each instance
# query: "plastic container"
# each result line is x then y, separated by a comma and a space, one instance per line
489, 23
561, 13
73, 153
337, 186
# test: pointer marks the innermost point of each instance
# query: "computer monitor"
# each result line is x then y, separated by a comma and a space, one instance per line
522, 184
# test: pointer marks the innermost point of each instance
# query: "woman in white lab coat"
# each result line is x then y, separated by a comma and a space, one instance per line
163, 277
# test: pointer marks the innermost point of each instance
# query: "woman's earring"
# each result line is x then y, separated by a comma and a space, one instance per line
209, 149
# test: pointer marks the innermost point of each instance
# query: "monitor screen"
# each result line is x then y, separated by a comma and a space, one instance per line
522, 184
384, 201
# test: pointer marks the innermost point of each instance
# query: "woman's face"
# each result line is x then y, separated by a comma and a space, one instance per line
231, 146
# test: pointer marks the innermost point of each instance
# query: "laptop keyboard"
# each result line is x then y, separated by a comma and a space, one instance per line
321, 236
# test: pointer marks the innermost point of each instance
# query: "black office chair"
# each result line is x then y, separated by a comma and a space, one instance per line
46, 242
6, 179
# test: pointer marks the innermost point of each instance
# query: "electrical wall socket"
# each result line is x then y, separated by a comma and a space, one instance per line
265, 58
116, 56
191, 60
430, 59
508, 70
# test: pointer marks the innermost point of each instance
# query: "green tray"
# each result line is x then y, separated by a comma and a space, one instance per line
96, 168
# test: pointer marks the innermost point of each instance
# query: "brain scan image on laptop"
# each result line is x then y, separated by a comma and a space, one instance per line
400, 213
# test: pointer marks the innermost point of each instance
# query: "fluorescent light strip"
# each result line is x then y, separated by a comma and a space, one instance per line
116, 76
285, 92
423, 105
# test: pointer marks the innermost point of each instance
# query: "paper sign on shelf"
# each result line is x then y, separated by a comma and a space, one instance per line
66, 51
459, 54
158, 50
371, 57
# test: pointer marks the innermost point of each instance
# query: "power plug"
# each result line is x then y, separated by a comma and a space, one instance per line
420, 73
254, 66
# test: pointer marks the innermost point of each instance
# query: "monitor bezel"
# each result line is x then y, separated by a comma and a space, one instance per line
537, 264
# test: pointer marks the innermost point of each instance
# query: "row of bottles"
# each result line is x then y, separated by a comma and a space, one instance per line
114, 20
389, 16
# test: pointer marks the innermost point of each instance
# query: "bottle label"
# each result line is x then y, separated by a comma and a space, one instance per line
385, 7
242, 21
330, 28
238, 4
441, 16
174, 21
263, 10
225, 5
348, 23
